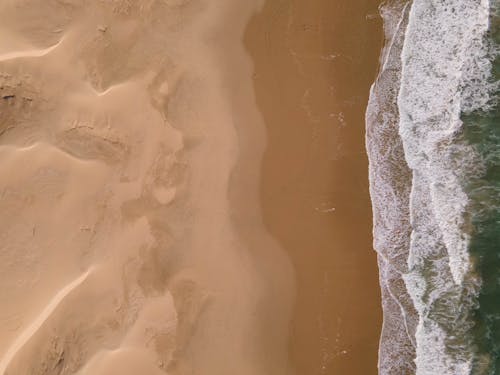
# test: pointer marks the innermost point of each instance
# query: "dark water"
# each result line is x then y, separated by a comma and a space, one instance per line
482, 130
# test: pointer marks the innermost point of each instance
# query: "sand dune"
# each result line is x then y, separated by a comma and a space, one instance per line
28, 53
118, 141
36, 324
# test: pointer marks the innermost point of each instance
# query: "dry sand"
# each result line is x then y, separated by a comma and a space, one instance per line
133, 239
315, 61
119, 252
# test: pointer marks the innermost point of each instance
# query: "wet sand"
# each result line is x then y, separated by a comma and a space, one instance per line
314, 64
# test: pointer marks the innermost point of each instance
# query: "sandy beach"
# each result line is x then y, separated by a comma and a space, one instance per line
184, 188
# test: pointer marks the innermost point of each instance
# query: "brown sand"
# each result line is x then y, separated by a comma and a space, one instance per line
315, 61
132, 238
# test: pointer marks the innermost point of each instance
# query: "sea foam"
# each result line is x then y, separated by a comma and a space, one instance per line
390, 184
433, 69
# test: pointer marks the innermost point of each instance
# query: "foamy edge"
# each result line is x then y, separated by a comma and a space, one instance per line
444, 64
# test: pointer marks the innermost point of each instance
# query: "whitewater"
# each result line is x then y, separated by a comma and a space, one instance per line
432, 142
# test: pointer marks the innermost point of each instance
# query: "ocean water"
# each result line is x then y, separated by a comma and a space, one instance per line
433, 140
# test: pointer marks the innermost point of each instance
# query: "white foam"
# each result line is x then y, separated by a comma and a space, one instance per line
389, 189
440, 72
443, 55
439, 40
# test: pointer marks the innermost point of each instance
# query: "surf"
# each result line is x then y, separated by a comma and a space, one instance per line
437, 73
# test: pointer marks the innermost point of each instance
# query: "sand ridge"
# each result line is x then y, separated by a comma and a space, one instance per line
120, 249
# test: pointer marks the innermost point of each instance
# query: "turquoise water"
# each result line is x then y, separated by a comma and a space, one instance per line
482, 130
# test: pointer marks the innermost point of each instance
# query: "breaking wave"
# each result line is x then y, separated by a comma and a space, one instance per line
432, 141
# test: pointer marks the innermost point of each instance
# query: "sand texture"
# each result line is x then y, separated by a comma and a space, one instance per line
182, 191
119, 254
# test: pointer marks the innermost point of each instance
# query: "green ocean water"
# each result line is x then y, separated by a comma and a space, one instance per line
482, 130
